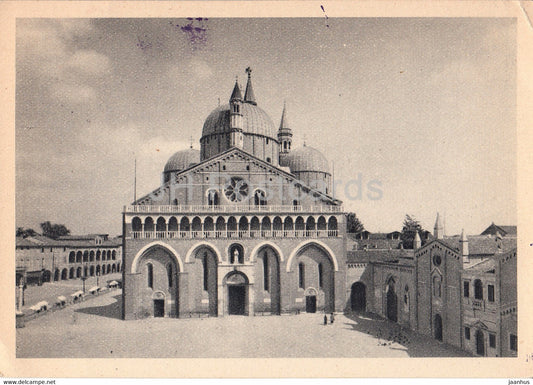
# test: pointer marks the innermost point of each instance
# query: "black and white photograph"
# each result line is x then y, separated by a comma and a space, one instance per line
321, 186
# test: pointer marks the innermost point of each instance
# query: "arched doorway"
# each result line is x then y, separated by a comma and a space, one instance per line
314, 267
47, 275
438, 327
56, 275
480, 343
392, 301
237, 293
158, 268
158, 299
358, 297
310, 300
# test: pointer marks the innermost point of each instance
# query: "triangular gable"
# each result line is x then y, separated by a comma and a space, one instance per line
234, 151
440, 242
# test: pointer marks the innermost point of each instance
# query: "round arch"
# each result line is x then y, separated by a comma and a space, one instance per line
163, 245
321, 245
193, 249
255, 250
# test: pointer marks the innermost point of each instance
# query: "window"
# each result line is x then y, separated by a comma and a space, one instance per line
437, 260
169, 274
206, 274
492, 340
301, 275
260, 198
437, 286
490, 289
150, 274
466, 289
268, 159
478, 289
467, 333
513, 342
320, 280
266, 278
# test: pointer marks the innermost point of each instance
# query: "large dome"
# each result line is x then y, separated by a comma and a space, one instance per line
306, 159
255, 121
182, 160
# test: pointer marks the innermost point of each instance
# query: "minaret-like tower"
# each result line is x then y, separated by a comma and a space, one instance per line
438, 230
417, 242
284, 136
249, 96
464, 247
236, 126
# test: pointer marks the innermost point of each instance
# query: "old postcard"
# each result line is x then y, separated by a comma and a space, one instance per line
321, 189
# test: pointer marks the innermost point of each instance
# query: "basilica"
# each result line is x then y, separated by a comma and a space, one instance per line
247, 225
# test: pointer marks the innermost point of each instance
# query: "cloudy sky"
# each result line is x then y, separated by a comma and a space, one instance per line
424, 107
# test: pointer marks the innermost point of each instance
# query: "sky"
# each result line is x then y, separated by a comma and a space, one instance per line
421, 109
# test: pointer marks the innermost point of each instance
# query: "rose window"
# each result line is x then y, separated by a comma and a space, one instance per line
236, 190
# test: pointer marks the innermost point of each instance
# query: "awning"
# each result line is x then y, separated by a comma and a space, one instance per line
77, 294
113, 283
93, 289
62, 298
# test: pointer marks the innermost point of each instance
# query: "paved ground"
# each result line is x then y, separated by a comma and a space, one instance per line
49, 291
94, 329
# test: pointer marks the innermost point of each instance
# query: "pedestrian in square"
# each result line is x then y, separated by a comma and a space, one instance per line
325, 319
332, 318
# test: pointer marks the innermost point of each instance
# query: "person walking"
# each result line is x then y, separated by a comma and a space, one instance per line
325, 319
332, 318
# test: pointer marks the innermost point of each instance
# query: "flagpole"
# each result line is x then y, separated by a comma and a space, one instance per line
135, 183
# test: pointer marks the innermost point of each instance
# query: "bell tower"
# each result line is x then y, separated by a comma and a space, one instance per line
236, 126
284, 136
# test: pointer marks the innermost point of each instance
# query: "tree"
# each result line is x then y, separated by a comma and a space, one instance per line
22, 232
410, 227
353, 224
54, 231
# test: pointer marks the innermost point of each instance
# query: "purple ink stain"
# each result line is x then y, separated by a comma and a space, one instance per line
196, 31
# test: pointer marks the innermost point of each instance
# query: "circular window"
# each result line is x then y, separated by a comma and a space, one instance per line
236, 190
436, 260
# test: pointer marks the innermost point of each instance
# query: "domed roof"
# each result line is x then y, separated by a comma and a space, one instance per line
306, 159
254, 121
182, 160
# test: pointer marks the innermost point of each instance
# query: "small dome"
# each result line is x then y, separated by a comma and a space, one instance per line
182, 160
255, 121
306, 159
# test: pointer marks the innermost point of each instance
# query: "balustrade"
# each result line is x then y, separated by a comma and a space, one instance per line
170, 209
191, 234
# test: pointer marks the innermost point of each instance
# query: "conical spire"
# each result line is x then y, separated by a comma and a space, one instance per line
236, 94
249, 96
417, 242
438, 230
284, 124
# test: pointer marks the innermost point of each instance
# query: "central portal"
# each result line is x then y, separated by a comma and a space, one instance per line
237, 298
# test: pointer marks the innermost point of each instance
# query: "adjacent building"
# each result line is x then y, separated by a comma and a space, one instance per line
41, 259
459, 290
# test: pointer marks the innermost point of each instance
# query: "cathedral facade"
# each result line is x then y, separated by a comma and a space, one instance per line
247, 225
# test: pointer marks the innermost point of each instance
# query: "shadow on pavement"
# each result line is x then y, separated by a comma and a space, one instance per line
110, 311
396, 337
